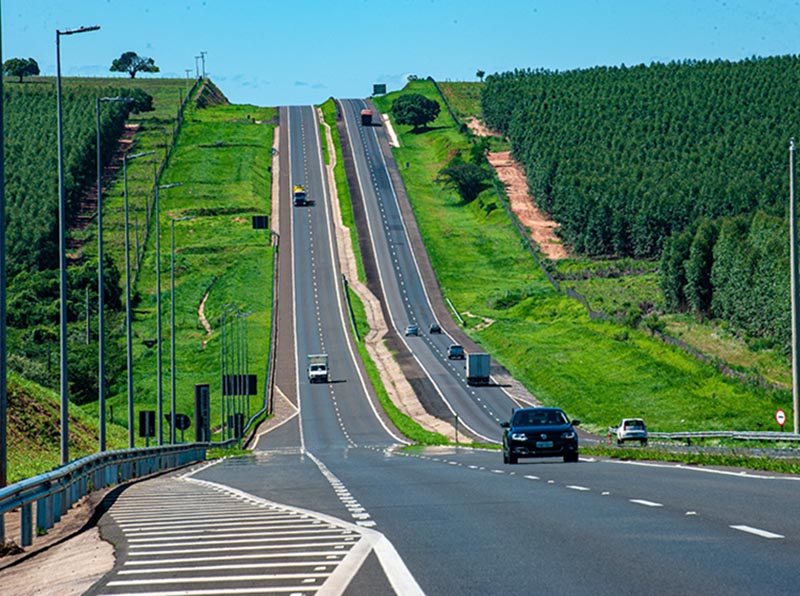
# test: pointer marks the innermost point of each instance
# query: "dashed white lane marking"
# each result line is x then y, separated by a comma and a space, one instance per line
757, 532
353, 506
579, 488
646, 503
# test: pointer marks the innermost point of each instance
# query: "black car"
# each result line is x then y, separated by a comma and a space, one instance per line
539, 432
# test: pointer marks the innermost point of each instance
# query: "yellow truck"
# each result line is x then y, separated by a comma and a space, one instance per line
299, 196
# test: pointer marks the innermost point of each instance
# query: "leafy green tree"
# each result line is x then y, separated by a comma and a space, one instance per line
415, 110
142, 101
132, 63
20, 67
467, 179
480, 74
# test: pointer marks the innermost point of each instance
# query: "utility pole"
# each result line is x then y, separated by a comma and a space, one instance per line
196, 67
794, 285
203, 57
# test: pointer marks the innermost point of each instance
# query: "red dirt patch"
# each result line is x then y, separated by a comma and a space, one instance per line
512, 175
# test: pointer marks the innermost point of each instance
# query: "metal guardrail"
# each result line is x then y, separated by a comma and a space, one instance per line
719, 434
53, 493
727, 434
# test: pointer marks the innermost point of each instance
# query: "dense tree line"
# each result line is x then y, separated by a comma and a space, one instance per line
623, 157
31, 192
687, 161
735, 269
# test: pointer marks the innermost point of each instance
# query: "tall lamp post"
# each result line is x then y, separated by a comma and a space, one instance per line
160, 404
128, 331
172, 327
3, 388
101, 373
62, 249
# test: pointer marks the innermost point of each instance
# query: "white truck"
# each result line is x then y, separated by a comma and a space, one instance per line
317, 368
478, 366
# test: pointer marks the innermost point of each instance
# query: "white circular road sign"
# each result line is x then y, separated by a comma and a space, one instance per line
780, 417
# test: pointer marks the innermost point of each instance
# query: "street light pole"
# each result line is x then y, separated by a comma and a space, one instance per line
160, 404
172, 327
101, 373
794, 287
62, 250
3, 347
128, 309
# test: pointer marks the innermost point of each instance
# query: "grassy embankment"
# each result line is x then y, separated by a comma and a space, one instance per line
222, 160
616, 286
406, 425
598, 371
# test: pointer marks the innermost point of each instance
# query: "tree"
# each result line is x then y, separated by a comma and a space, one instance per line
467, 179
20, 67
132, 63
698, 290
415, 109
480, 74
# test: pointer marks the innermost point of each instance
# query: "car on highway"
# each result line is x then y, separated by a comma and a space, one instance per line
539, 432
455, 352
632, 429
434, 328
412, 330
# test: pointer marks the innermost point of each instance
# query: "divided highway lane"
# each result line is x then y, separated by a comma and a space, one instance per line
340, 413
480, 409
463, 523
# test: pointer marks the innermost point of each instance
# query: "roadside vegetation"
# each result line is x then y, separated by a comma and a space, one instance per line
222, 159
684, 163
599, 371
222, 163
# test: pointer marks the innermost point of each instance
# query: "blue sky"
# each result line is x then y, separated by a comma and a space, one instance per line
267, 52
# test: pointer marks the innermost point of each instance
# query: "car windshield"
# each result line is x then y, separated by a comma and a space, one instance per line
539, 418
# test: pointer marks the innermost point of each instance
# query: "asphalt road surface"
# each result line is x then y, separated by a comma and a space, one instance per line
331, 501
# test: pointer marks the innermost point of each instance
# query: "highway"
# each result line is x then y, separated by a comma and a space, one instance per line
331, 502
480, 409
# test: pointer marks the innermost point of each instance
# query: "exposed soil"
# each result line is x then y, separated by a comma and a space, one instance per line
512, 175
88, 208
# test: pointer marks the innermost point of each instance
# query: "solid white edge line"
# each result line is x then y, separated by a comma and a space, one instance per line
299, 413
704, 470
757, 532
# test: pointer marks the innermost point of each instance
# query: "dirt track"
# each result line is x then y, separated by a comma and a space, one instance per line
512, 175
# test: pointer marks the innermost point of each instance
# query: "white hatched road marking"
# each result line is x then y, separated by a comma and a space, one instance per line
258, 547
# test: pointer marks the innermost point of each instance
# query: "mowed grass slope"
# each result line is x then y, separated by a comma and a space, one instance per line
599, 372
222, 162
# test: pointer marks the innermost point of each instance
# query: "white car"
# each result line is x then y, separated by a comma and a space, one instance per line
632, 429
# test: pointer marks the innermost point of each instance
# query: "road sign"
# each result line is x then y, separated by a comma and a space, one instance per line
780, 418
